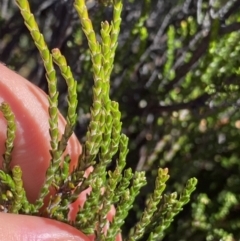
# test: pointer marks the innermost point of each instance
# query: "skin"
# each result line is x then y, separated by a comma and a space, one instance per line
31, 152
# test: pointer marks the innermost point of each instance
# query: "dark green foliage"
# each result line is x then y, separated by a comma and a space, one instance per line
176, 79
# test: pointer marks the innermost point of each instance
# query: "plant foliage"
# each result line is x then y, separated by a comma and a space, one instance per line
104, 142
175, 78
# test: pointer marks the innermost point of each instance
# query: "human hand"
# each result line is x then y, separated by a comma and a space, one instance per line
31, 152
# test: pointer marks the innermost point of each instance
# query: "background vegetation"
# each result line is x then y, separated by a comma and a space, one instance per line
176, 78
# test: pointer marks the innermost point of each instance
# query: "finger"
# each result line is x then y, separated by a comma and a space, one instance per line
28, 228
32, 143
79, 203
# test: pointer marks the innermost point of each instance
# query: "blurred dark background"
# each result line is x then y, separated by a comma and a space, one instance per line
176, 78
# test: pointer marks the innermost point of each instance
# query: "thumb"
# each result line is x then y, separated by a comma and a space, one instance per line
28, 228
31, 152
32, 143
